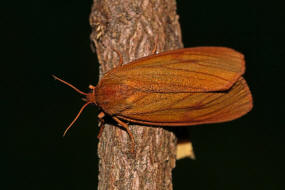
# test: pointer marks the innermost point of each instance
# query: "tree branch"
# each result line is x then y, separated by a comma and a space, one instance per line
131, 27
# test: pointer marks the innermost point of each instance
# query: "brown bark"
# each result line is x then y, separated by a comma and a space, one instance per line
131, 27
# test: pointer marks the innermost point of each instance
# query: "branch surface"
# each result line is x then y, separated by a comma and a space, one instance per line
131, 27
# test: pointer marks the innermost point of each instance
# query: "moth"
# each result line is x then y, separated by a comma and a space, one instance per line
183, 87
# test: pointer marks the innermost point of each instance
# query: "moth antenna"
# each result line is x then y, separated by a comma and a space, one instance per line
79, 113
70, 85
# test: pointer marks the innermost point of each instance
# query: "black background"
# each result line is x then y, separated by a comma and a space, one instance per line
40, 38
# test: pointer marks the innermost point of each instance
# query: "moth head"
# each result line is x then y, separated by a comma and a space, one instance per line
90, 97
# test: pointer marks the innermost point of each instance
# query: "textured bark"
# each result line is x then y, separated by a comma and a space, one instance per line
131, 27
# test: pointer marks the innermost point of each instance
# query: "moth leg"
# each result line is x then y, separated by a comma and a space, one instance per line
102, 126
120, 56
101, 120
126, 126
155, 45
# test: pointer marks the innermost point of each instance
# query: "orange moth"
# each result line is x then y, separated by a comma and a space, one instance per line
181, 87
